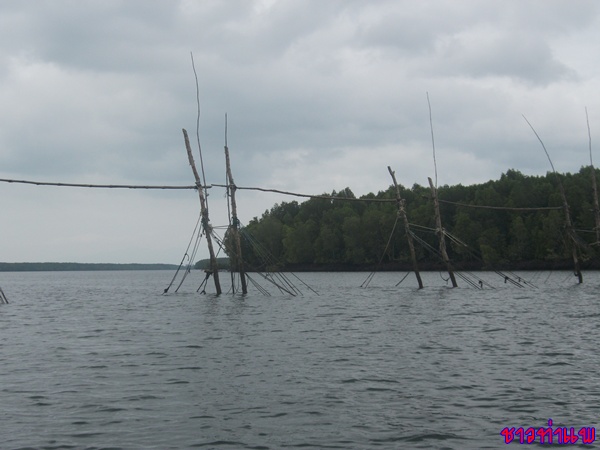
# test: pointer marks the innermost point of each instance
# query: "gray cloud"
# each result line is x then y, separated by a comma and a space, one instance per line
320, 96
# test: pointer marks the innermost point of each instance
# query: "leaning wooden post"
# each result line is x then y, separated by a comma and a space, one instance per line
238, 261
204, 211
440, 231
570, 232
568, 223
402, 213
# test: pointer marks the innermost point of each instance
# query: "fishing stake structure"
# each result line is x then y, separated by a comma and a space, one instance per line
402, 214
237, 262
214, 269
440, 233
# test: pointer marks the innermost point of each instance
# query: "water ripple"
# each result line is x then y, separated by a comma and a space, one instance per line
87, 363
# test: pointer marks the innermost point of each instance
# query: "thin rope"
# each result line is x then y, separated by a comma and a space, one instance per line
270, 280
403, 278
370, 277
100, 186
3, 297
188, 269
324, 197
176, 273
198, 129
304, 283
432, 140
258, 286
268, 259
478, 257
541, 142
184, 256
204, 282
505, 208
414, 225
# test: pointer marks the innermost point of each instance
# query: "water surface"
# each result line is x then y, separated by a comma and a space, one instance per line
103, 360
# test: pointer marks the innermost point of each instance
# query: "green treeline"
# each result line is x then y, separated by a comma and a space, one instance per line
204, 264
342, 234
70, 266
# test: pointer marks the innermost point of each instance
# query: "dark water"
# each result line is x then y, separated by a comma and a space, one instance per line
102, 360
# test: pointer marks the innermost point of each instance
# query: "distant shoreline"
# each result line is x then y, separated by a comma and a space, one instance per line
63, 267
224, 266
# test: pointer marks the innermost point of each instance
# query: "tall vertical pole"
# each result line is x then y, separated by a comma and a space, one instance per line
571, 233
594, 183
440, 231
596, 205
568, 223
402, 213
237, 260
204, 211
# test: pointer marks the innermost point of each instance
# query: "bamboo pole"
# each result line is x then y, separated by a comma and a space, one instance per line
237, 260
402, 213
440, 232
594, 183
204, 211
568, 222
596, 205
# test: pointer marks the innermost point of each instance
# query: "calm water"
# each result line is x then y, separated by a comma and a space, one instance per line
103, 360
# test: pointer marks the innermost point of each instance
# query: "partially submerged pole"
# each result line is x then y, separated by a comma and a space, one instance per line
594, 184
440, 232
3, 298
238, 262
402, 213
214, 269
596, 205
568, 222
571, 233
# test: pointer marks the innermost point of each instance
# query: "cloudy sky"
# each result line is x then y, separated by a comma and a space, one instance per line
320, 95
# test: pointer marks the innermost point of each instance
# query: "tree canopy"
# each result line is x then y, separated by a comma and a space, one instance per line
335, 232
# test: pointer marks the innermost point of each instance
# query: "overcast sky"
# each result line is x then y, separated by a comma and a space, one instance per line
320, 95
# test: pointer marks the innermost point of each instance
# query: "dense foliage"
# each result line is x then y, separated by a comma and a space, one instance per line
336, 232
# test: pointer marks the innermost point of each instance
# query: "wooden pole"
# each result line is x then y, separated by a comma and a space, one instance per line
570, 232
568, 223
402, 213
204, 211
3, 298
440, 231
596, 205
594, 183
238, 262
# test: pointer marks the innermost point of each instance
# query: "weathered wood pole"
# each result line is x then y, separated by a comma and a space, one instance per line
571, 233
402, 213
568, 223
440, 232
596, 205
204, 212
594, 183
238, 262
